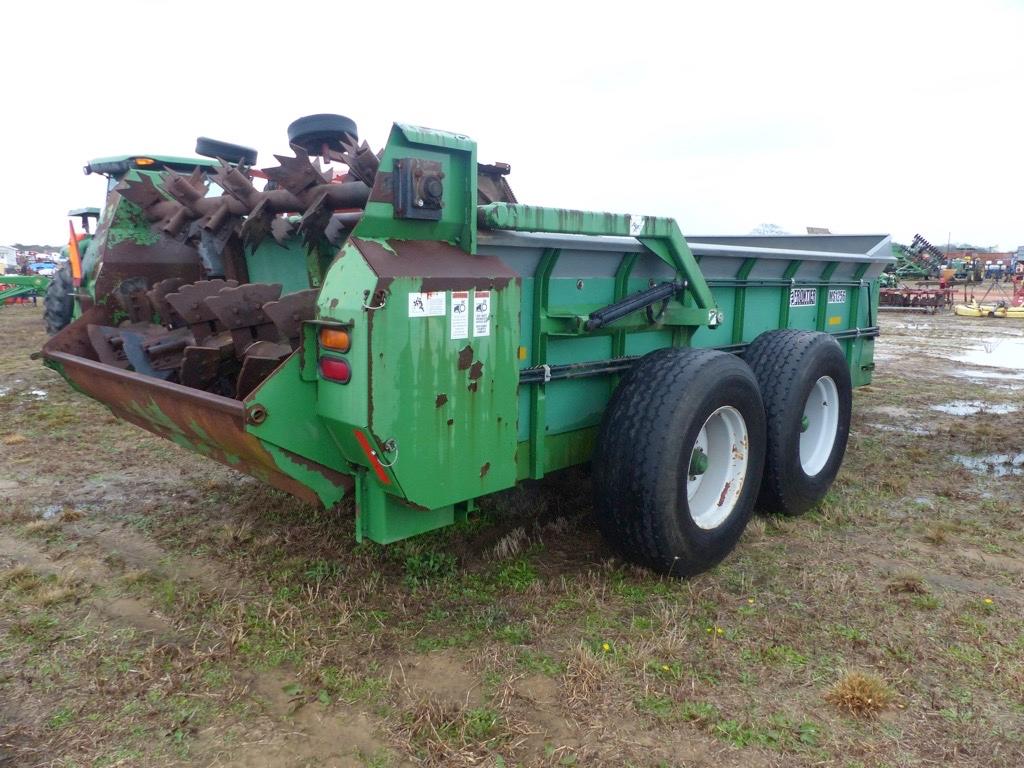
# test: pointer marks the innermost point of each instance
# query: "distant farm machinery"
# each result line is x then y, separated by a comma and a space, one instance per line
925, 278
22, 287
921, 299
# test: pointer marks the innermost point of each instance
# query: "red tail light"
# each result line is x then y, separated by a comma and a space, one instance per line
335, 369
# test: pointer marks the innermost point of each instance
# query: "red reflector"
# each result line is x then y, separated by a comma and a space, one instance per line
335, 369
371, 454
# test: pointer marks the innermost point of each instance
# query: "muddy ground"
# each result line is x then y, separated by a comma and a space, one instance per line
158, 609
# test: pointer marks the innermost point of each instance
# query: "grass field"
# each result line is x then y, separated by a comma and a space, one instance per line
159, 609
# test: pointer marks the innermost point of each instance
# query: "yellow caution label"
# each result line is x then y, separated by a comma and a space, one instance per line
835, 320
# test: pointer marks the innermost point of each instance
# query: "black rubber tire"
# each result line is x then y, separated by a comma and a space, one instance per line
226, 151
59, 302
313, 131
787, 364
640, 466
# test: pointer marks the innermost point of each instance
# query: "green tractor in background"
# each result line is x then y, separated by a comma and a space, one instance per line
59, 299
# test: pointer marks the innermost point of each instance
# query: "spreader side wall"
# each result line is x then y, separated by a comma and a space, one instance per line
818, 286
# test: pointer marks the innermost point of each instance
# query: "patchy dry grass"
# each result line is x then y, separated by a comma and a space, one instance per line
444, 734
907, 584
168, 611
860, 693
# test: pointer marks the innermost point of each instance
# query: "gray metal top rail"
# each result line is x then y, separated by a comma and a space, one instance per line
855, 248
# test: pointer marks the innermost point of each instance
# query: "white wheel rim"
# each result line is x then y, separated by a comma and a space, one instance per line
711, 494
819, 426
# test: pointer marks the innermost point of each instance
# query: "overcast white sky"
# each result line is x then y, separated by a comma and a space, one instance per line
864, 116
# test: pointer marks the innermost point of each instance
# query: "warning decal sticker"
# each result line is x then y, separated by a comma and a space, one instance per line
482, 313
429, 304
460, 314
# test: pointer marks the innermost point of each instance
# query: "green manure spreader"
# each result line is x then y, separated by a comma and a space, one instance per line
408, 334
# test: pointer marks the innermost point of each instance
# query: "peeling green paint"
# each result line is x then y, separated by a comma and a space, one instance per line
154, 415
199, 431
382, 242
130, 224
329, 493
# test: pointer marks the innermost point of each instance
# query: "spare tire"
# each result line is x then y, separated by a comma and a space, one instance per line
59, 302
313, 131
223, 150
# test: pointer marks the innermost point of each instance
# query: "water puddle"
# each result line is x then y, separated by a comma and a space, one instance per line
902, 430
996, 352
997, 464
971, 407
977, 373
51, 512
896, 322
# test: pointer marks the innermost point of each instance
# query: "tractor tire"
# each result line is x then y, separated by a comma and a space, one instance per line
59, 302
808, 397
226, 151
313, 131
656, 500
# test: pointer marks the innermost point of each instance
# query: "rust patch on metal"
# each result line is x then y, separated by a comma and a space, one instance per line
209, 424
300, 186
189, 301
476, 370
485, 469
441, 400
333, 476
442, 267
291, 311
369, 366
74, 339
383, 188
472, 387
154, 263
465, 357
491, 185
157, 299
725, 490
450, 422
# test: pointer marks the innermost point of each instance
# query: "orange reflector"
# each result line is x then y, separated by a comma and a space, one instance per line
335, 338
145, 161
335, 369
74, 257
